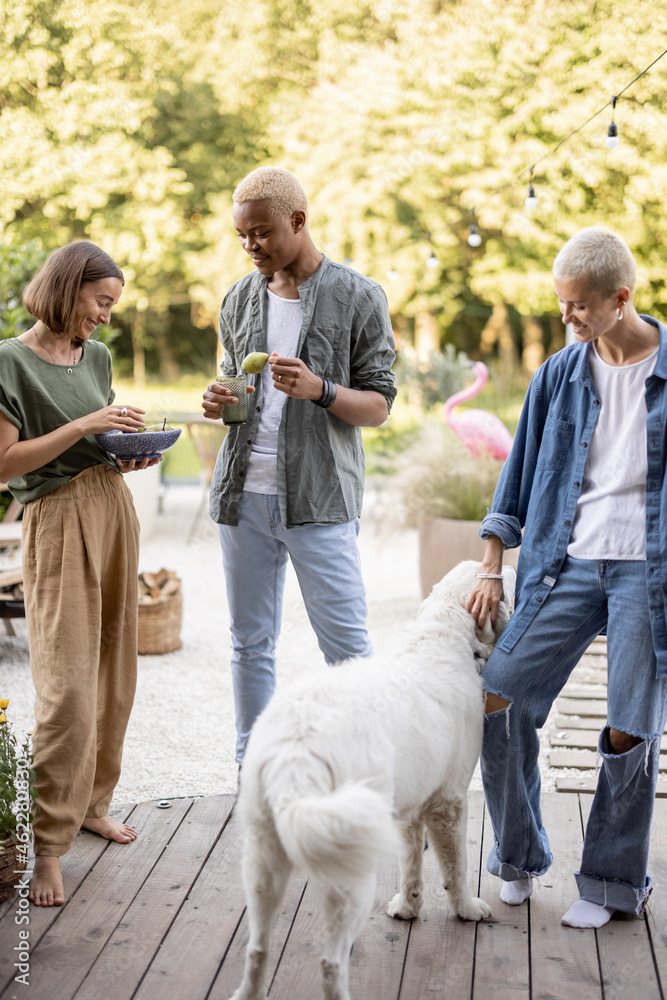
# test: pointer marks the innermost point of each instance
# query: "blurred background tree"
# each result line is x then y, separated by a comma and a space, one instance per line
130, 123
17, 265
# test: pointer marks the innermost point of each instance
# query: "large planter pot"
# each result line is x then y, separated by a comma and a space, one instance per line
444, 542
9, 867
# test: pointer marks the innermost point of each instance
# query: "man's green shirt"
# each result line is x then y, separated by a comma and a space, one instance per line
346, 336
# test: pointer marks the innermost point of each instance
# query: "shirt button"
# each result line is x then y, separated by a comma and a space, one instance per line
259, 408
596, 402
241, 475
577, 483
539, 600
584, 444
566, 523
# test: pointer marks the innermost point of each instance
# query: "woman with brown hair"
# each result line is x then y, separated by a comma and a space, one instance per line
80, 549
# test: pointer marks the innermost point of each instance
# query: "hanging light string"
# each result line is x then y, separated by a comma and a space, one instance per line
474, 237
529, 170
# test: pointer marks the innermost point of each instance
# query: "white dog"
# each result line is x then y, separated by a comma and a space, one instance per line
336, 759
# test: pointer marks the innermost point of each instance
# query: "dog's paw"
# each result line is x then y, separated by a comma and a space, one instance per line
404, 909
474, 909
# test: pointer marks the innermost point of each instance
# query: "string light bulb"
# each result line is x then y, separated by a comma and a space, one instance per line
433, 261
612, 140
474, 239
531, 200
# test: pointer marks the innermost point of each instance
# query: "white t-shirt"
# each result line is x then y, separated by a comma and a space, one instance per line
610, 520
282, 335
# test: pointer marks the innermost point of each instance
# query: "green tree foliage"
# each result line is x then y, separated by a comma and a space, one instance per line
17, 265
130, 123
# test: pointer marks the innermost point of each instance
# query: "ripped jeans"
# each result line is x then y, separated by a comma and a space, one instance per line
587, 595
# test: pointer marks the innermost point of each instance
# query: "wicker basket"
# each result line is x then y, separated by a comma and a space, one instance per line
9, 866
160, 625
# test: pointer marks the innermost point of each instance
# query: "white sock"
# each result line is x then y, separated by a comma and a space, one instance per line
515, 892
585, 914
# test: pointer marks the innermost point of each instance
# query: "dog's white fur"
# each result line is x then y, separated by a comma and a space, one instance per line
337, 758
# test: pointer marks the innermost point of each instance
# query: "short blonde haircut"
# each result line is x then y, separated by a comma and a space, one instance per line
278, 185
601, 258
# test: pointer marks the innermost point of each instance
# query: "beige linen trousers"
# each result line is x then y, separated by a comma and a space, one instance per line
80, 555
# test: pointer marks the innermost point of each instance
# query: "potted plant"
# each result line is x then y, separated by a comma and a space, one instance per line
17, 794
444, 492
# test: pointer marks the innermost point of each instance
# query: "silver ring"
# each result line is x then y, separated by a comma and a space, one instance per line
123, 412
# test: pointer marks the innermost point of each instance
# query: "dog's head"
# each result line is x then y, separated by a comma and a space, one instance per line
454, 590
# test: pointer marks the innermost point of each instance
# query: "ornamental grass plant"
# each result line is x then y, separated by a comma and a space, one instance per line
438, 477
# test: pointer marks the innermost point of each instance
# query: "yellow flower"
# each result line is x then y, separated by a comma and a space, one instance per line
3, 718
4, 702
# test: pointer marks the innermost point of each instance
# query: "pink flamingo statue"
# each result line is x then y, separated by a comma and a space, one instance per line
479, 430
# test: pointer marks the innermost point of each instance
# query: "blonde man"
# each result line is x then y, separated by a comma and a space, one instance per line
289, 483
585, 480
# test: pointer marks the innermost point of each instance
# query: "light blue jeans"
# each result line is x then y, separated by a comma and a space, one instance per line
588, 595
254, 555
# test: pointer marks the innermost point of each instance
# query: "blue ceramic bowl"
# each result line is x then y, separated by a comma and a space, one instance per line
148, 445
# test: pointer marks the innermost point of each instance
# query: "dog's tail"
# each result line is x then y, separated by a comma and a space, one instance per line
338, 837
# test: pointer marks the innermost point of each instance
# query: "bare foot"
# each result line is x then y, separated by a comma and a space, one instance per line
110, 828
46, 885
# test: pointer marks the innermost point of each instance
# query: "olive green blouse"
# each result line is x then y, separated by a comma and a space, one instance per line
38, 396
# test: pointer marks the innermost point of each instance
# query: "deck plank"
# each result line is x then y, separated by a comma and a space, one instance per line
136, 939
585, 760
584, 689
198, 939
624, 948
586, 739
76, 866
81, 929
587, 786
378, 954
564, 966
590, 670
656, 911
441, 950
567, 722
596, 708
576, 739
231, 973
502, 944
298, 975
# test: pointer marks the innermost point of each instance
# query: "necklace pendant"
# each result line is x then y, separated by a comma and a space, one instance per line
69, 371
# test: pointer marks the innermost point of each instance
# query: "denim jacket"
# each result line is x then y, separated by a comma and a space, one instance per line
346, 336
541, 481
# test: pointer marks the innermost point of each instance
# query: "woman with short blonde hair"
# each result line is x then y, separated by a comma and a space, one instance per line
585, 483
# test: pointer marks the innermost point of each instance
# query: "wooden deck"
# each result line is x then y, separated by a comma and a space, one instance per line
164, 919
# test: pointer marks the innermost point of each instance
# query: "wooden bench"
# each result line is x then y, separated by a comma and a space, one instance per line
10, 538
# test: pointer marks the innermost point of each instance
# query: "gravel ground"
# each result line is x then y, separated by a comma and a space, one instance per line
180, 739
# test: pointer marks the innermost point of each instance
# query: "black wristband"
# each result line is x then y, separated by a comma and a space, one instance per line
329, 393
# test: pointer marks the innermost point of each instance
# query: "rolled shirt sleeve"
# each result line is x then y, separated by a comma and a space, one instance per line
372, 346
504, 526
